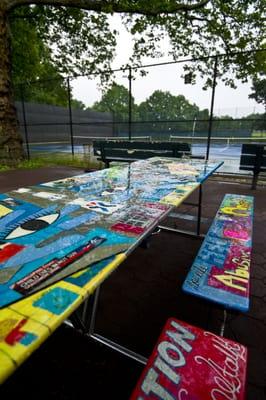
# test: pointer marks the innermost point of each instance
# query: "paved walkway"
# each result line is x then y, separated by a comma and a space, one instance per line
134, 305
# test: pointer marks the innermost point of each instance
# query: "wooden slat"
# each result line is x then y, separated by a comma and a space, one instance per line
252, 148
140, 154
253, 158
139, 150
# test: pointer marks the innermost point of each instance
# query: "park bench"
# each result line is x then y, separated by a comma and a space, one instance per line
190, 363
220, 272
128, 151
253, 158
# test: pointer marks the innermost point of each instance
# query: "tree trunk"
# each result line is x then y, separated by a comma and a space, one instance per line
11, 149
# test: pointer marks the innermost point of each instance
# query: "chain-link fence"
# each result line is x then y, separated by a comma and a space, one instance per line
159, 105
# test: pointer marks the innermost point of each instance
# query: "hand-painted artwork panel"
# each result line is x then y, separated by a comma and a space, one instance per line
221, 270
191, 364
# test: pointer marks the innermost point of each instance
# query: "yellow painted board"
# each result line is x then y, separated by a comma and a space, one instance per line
4, 210
7, 366
19, 335
104, 273
176, 198
52, 306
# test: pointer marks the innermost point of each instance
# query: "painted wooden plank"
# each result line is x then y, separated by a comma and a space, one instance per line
7, 366
221, 270
51, 306
19, 337
191, 364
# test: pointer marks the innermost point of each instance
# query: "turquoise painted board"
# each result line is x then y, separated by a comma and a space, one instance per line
221, 270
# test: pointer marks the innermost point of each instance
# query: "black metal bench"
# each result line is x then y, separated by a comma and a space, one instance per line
128, 151
253, 158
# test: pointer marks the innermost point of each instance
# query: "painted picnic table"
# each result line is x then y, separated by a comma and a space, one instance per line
59, 240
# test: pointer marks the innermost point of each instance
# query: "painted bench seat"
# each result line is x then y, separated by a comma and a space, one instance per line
221, 270
191, 364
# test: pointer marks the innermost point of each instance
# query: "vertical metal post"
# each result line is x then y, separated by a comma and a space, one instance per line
25, 121
130, 103
94, 311
70, 115
212, 104
199, 210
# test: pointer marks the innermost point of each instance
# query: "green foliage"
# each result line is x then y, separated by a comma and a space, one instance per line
259, 91
163, 106
217, 27
78, 41
115, 100
85, 42
53, 160
78, 105
32, 64
27, 50
164, 114
258, 123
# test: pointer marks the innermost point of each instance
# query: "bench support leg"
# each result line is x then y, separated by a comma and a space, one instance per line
199, 210
188, 233
223, 323
254, 181
81, 323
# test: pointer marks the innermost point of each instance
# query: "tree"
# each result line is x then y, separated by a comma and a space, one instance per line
259, 91
161, 107
115, 100
34, 76
77, 104
196, 28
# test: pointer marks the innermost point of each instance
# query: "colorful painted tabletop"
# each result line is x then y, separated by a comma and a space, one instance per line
221, 270
59, 240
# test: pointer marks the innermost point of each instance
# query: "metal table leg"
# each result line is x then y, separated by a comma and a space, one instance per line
189, 233
81, 323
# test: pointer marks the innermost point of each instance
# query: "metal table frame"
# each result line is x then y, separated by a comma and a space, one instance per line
85, 321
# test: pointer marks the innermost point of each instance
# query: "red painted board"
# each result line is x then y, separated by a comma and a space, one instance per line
189, 363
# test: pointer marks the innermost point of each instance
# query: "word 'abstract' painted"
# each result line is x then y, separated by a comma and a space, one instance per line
221, 270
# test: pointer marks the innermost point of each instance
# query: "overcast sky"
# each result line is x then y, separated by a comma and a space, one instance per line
167, 78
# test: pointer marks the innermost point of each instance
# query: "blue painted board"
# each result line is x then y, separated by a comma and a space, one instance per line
221, 270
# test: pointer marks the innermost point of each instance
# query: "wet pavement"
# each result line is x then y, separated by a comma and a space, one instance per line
135, 303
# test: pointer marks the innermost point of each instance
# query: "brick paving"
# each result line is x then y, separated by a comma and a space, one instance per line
134, 305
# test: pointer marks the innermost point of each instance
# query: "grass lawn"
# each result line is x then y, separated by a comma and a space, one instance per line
54, 159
